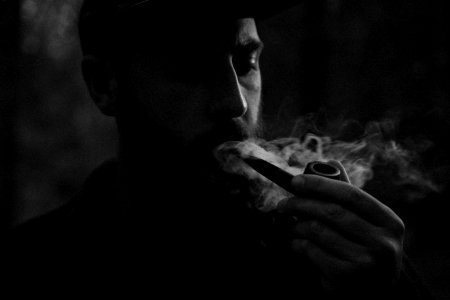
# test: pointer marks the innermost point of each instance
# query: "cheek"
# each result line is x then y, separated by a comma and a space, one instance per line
254, 104
178, 108
253, 98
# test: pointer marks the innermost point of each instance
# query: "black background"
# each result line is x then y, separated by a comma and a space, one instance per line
339, 60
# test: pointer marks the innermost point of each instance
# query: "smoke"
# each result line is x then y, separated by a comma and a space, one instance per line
374, 150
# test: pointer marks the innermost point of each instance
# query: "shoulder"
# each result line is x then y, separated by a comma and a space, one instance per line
84, 206
46, 224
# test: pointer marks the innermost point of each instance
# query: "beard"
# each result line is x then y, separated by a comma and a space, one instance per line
183, 186
185, 171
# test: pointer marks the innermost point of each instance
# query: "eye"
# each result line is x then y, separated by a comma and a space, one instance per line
245, 62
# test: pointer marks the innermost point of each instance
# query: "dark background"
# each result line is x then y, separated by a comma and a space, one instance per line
338, 60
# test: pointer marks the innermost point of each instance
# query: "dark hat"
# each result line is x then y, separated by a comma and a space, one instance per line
256, 9
100, 19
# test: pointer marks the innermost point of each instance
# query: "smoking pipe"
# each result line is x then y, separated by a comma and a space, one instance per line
279, 235
283, 178
322, 169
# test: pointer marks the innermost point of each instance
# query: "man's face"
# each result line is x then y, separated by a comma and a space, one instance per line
190, 84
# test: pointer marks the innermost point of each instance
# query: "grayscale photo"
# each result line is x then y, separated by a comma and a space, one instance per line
226, 149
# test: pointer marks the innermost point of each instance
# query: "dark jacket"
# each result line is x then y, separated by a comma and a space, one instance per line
91, 244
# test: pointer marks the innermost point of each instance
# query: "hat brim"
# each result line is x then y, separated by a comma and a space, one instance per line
220, 9
101, 19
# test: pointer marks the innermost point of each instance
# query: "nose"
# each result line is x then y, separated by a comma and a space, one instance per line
227, 99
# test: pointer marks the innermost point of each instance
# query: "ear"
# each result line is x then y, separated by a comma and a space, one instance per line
101, 82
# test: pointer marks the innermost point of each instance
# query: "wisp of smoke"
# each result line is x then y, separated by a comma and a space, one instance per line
292, 154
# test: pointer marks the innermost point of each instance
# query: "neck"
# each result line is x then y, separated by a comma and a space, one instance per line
159, 171
141, 171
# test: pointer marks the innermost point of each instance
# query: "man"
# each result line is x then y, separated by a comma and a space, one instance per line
163, 217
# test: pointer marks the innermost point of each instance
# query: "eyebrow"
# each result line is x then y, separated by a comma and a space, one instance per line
249, 44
